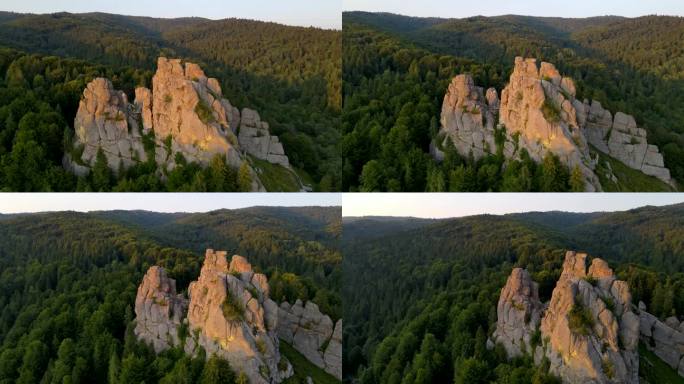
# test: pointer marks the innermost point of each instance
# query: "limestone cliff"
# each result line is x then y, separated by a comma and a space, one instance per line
588, 332
312, 334
539, 112
184, 113
230, 314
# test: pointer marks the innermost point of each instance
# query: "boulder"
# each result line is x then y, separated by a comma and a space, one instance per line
159, 310
105, 122
467, 120
256, 140
665, 339
312, 334
518, 313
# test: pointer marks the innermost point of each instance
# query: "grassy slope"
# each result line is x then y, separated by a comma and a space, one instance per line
652, 370
276, 178
629, 180
303, 368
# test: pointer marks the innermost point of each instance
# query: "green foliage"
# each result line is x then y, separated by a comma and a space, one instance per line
551, 111
205, 113
232, 308
392, 61
79, 274
654, 370
290, 74
217, 370
303, 367
580, 319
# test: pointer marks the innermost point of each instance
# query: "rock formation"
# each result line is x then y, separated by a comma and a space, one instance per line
254, 137
592, 332
184, 113
588, 332
229, 314
665, 339
159, 310
105, 122
519, 313
312, 334
538, 112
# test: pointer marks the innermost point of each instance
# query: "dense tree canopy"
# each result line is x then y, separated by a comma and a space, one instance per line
68, 283
423, 293
397, 68
291, 75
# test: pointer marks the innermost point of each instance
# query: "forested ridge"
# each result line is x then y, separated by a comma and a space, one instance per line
396, 70
68, 283
291, 75
420, 298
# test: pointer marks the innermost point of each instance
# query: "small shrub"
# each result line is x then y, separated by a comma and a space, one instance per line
204, 112
550, 111
261, 346
580, 320
591, 280
168, 98
608, 368
518, 306
232, 308
282, 364
535, 339
634, 141
610, 304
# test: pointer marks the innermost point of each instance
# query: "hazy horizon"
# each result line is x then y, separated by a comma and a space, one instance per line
303, 13
449, 205
539, 8
15, 203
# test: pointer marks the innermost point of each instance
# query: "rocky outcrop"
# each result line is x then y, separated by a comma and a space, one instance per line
588, 332
159, 310
518, 313
620, 138
255, 139
591, 330
231, 315
538, 112
184, 113
312, 334
665, 339
467, 120
105, 122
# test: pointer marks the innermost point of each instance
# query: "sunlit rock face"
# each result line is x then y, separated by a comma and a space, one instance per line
538, 113
184, 113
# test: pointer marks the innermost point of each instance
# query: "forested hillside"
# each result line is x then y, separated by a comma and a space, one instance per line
420, 302
396, 70
68, 284
290, 74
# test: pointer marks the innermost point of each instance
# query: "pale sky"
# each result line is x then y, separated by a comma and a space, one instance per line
443, 205
158, 202
319, 13
575, 8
